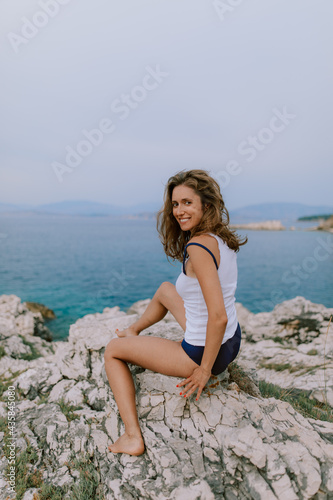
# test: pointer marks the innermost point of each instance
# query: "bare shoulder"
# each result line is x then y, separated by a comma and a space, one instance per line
207, 240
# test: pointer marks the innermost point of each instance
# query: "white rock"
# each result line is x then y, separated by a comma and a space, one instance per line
60, 390
100, 440
257, 486
198, 489
30, 494
226, 445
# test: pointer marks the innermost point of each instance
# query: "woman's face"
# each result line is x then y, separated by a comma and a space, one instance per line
187, 207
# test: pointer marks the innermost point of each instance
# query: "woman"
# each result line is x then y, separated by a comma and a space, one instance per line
193, 222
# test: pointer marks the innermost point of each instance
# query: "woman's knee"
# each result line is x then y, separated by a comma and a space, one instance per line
172, 301
110, 349
165, 289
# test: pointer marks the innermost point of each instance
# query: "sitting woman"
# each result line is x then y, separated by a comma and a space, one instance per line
193, 222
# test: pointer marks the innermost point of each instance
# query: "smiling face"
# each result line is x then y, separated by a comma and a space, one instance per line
187, 207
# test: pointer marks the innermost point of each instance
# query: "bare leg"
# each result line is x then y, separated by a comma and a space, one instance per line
156, 354
122, 386
165, 299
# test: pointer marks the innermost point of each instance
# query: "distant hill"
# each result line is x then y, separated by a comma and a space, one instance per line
81, 207
315, 217
9, 208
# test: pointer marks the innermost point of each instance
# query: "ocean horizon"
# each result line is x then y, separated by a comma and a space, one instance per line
78, 265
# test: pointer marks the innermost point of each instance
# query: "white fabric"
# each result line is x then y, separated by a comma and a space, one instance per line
195, 306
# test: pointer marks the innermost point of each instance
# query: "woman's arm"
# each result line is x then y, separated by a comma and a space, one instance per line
206, 273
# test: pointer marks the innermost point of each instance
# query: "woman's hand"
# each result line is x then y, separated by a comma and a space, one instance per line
197, 380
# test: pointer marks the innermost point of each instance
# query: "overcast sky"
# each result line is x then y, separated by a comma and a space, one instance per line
240, 88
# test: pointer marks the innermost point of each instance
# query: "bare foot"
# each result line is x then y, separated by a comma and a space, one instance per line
128, 332
132, 445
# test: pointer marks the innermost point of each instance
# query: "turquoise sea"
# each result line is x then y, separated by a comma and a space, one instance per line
79, 265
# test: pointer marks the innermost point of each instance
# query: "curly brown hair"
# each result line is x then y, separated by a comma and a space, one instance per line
214, 220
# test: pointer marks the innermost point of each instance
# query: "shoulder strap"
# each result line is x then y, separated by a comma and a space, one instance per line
199, 245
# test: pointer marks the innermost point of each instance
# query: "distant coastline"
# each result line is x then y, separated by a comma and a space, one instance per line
260, 217
141, 216
276, 225
325, 222
249, 213
268, 225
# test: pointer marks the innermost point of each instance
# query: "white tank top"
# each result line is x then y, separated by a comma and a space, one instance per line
195, 306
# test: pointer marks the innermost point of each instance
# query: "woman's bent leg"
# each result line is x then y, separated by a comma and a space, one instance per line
165, 299
156, 354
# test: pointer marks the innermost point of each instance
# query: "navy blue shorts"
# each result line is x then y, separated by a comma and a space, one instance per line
226, 354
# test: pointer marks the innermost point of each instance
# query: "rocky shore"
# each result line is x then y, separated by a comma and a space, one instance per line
326, 225
231, 444
268, 225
